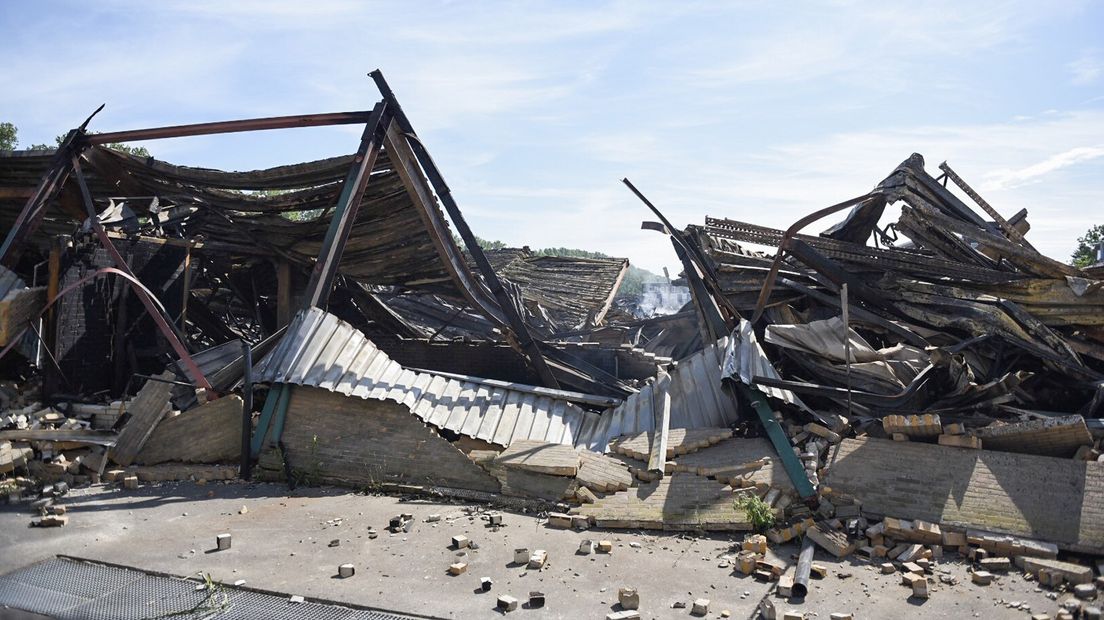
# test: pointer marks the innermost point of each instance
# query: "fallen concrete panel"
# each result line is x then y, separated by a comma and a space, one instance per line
209, 433
540, 457
676, 502
1060, 436
1055, 500
145, 411
602, 473
329, 438
679, 441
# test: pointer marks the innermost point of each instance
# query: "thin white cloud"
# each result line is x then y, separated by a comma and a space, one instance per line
1008, 179
1087, 68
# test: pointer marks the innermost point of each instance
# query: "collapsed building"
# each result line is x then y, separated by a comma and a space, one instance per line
337, 322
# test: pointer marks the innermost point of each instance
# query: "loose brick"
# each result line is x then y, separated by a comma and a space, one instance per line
507, 603
538, 558
458, 568
461, 542
629, 598
700, 607
222, 542
960, 441
982, 578
346, 570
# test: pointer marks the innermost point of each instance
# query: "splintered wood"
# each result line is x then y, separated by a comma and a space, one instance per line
679, 441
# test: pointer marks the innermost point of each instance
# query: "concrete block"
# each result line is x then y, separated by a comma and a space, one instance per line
888, 568
982, 578
995, 564
586, 547
624, 614
958, 428
538, 558
433, 518
785, 586
920, 587
954, 539
629, 598
458, 568
767, 610
559, 520
521, 556
461, 542
494, 519
222, 542
960, 441
840, 616
585, 495
507, 603
580, 522
700, 607
51, 521
605, 546
1085, 591
346, 570
793, 614
485, 584
536, 599
746, 562
130, 482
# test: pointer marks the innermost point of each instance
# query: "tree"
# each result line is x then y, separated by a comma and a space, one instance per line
1085, 254
8, 139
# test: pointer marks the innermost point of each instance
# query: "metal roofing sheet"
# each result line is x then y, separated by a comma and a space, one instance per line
322, 351
698, 400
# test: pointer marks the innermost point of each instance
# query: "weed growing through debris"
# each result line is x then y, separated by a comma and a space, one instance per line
215, 601
757, 511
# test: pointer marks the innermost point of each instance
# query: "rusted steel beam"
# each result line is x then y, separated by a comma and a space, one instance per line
787, 240
252, 124
156, 310
526, 343
1007, 227
348, 205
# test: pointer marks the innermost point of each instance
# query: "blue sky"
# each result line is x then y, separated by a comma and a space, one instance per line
535, 110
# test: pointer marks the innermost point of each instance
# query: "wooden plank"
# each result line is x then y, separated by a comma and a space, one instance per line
146, 410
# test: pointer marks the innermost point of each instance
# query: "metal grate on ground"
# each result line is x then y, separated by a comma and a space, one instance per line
74, 589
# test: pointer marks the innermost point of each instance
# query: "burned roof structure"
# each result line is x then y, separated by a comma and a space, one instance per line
151, 302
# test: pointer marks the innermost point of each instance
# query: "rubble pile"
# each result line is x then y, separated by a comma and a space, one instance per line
892, 389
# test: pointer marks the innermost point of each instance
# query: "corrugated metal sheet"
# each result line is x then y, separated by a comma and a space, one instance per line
745, 359
9, 282
698, 399
322, 351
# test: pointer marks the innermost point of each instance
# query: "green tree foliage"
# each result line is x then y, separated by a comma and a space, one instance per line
8, 137
1085, 254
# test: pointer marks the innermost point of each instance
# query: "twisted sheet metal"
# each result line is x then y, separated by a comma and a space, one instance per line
322, 351
697, 397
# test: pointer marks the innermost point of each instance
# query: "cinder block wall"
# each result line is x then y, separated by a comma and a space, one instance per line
335, 439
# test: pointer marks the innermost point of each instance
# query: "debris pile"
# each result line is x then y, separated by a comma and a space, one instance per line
895, 389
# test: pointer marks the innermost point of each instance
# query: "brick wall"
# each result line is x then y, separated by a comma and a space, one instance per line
1055, 500
354, 442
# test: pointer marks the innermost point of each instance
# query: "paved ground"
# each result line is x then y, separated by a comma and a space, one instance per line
281, 543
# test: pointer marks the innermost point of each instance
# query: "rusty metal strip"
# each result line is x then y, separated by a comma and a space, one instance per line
252, 124
1007, 227
786, 244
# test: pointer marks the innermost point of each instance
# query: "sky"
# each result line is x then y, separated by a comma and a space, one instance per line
534, 111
